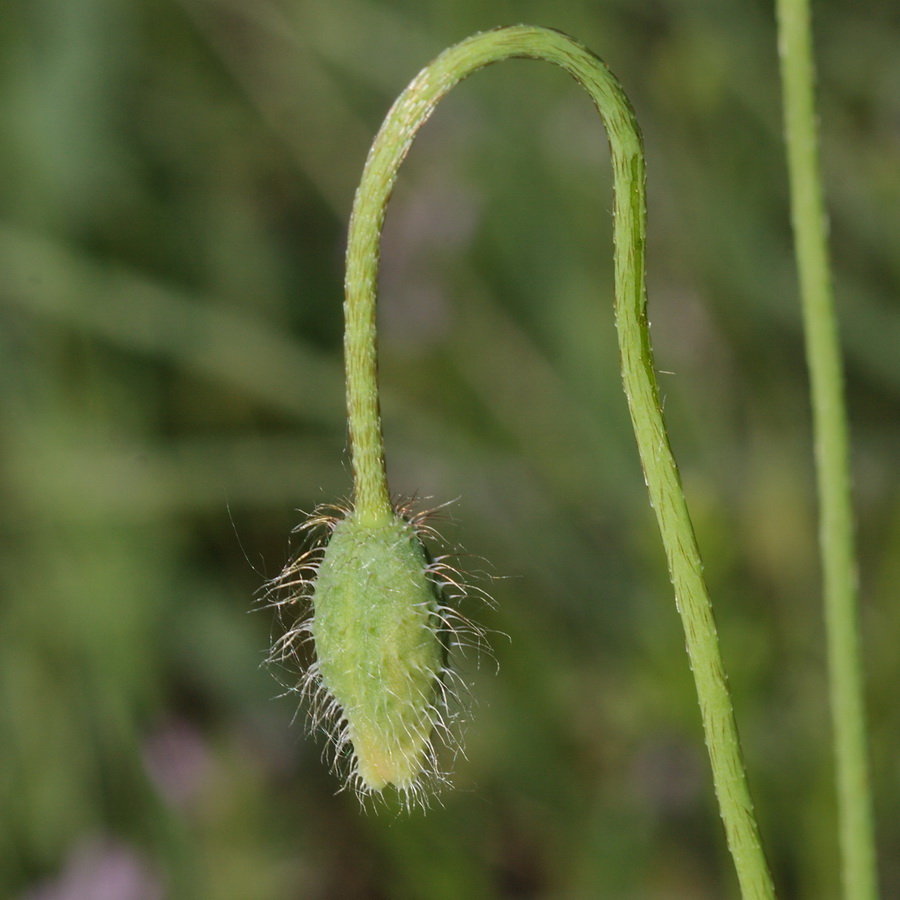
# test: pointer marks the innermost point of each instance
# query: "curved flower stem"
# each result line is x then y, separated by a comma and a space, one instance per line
836, 542
391, 145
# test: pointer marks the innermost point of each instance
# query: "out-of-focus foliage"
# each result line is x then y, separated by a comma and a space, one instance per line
176, 180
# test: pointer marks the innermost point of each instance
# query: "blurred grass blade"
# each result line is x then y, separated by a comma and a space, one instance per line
832, 455
112, 303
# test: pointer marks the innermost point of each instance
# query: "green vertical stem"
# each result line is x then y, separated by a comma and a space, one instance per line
391, 145
832, 455
372, 501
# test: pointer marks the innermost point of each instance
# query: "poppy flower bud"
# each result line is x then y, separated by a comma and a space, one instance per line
376, 625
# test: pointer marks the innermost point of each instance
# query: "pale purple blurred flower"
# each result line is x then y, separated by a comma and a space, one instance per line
178, 762
101, 869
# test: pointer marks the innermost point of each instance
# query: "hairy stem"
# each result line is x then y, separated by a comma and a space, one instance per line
391, 145
832, 455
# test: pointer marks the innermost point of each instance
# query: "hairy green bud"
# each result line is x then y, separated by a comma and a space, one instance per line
377, 630
381, 685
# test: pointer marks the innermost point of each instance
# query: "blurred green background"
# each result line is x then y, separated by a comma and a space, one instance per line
176, 180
